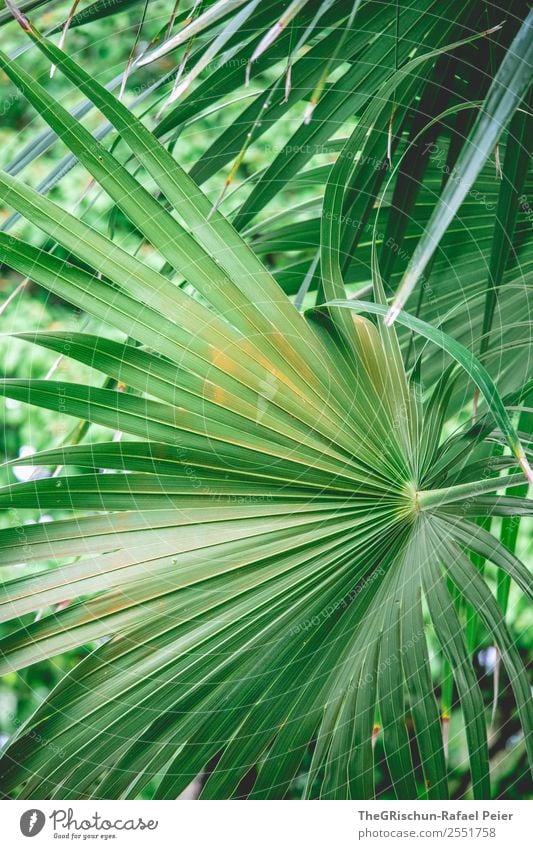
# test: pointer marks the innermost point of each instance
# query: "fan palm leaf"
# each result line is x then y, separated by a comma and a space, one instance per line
285, 518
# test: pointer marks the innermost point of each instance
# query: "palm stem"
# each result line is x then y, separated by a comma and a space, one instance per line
430, 498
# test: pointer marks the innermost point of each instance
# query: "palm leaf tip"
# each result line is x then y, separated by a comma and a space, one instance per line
18, 16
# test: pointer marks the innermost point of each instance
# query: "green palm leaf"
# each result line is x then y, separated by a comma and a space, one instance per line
263, 565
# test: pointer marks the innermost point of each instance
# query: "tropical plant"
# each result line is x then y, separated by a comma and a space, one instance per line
307, 478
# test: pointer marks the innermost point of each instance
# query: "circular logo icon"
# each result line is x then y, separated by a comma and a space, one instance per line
32, 822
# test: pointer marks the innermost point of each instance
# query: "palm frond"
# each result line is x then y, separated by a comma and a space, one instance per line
287, 527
